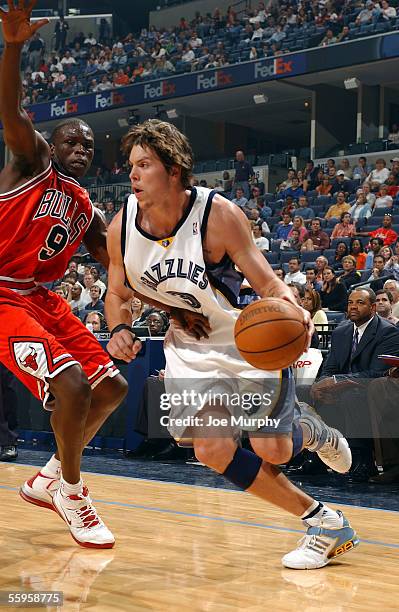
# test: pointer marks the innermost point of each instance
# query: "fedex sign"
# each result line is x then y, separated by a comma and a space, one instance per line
112, 98
65, 108
279, 66
163, 88
219, 79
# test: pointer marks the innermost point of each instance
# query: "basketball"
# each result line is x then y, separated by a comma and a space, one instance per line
270, 334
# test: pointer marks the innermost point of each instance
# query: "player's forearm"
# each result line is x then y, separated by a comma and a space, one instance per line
10, 84
274, 287
114, 313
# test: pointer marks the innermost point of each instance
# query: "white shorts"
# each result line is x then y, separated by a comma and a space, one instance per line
199, 374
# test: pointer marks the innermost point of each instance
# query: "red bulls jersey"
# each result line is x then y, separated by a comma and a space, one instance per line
42, 223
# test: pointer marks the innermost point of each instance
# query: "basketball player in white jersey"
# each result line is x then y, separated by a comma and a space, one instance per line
178, 246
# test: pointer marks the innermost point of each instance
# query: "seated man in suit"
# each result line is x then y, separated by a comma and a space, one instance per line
383, 406
341, 392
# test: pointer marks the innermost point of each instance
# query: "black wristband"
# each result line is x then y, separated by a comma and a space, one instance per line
119, 328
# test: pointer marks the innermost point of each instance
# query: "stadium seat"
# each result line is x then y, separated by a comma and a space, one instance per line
307, 256
334, 316
272, 257
380, 212
330, 254
285, 256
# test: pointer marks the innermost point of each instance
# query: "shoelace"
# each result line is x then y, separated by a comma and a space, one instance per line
86, 516
314, 543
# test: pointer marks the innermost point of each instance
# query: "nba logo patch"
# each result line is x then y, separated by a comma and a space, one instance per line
165, 243
195, 228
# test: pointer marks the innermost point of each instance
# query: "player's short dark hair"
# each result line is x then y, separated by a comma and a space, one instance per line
171, 145
66, 123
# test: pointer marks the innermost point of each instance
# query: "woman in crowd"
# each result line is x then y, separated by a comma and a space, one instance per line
303, 183
341, 251
324, 188
312, 303
386, 252
357, 251
361, 209
298, 224
345, 228
333, 294
350, 275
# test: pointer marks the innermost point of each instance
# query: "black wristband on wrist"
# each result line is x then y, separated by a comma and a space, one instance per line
119, 328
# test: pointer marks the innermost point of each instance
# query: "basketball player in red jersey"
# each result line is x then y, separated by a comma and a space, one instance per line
44, 215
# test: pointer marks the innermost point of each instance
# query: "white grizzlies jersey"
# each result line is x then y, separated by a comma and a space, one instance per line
173, 271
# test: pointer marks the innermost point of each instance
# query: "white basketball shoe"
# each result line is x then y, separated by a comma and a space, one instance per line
320, 546
329, 443
86, 527
39, 490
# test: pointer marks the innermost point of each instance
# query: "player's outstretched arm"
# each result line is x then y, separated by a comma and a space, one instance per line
31, 152
239, 245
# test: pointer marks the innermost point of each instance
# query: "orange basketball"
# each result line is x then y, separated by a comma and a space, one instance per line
270, 334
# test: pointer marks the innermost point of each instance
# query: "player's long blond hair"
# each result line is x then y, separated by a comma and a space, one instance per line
171, 146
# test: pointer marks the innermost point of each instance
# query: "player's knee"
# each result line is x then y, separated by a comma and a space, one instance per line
72, 387
272, 450
119, 389
216, 454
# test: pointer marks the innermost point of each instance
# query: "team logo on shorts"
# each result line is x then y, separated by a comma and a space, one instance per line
31, 357
195, 228
30, 360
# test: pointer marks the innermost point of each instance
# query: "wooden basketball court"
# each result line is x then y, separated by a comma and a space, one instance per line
188, 547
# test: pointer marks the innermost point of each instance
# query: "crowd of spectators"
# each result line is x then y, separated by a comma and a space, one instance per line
339, 222
84, 64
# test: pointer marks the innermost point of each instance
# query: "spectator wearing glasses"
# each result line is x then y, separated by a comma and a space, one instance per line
345, 228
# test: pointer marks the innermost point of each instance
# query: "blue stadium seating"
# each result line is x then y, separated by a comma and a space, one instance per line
307, 256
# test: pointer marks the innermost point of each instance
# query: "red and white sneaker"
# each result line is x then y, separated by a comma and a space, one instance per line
86, 527
39, 490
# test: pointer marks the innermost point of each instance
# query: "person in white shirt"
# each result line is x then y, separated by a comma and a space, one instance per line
294, 274
370, 197
384, 200
380, 173
68, 60
388, 12
261, 243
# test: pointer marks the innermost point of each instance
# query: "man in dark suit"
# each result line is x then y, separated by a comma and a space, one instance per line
341, 392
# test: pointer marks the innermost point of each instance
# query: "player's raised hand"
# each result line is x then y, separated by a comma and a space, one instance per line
124, 345
16, 24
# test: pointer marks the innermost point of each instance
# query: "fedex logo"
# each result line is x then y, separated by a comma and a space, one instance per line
277, 67
112, 98
218, 79
164, 88
66, 108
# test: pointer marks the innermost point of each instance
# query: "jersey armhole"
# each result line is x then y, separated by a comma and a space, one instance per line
123, 241
207, 210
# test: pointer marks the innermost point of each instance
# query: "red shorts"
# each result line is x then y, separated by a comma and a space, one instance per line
40, 337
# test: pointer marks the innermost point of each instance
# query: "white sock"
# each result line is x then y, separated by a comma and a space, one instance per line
322, 515
71, 489
52, 468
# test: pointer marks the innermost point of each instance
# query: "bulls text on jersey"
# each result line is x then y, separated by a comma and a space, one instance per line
60, 206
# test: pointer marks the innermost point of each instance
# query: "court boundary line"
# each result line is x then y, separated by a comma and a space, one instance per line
199, 486
221, 519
